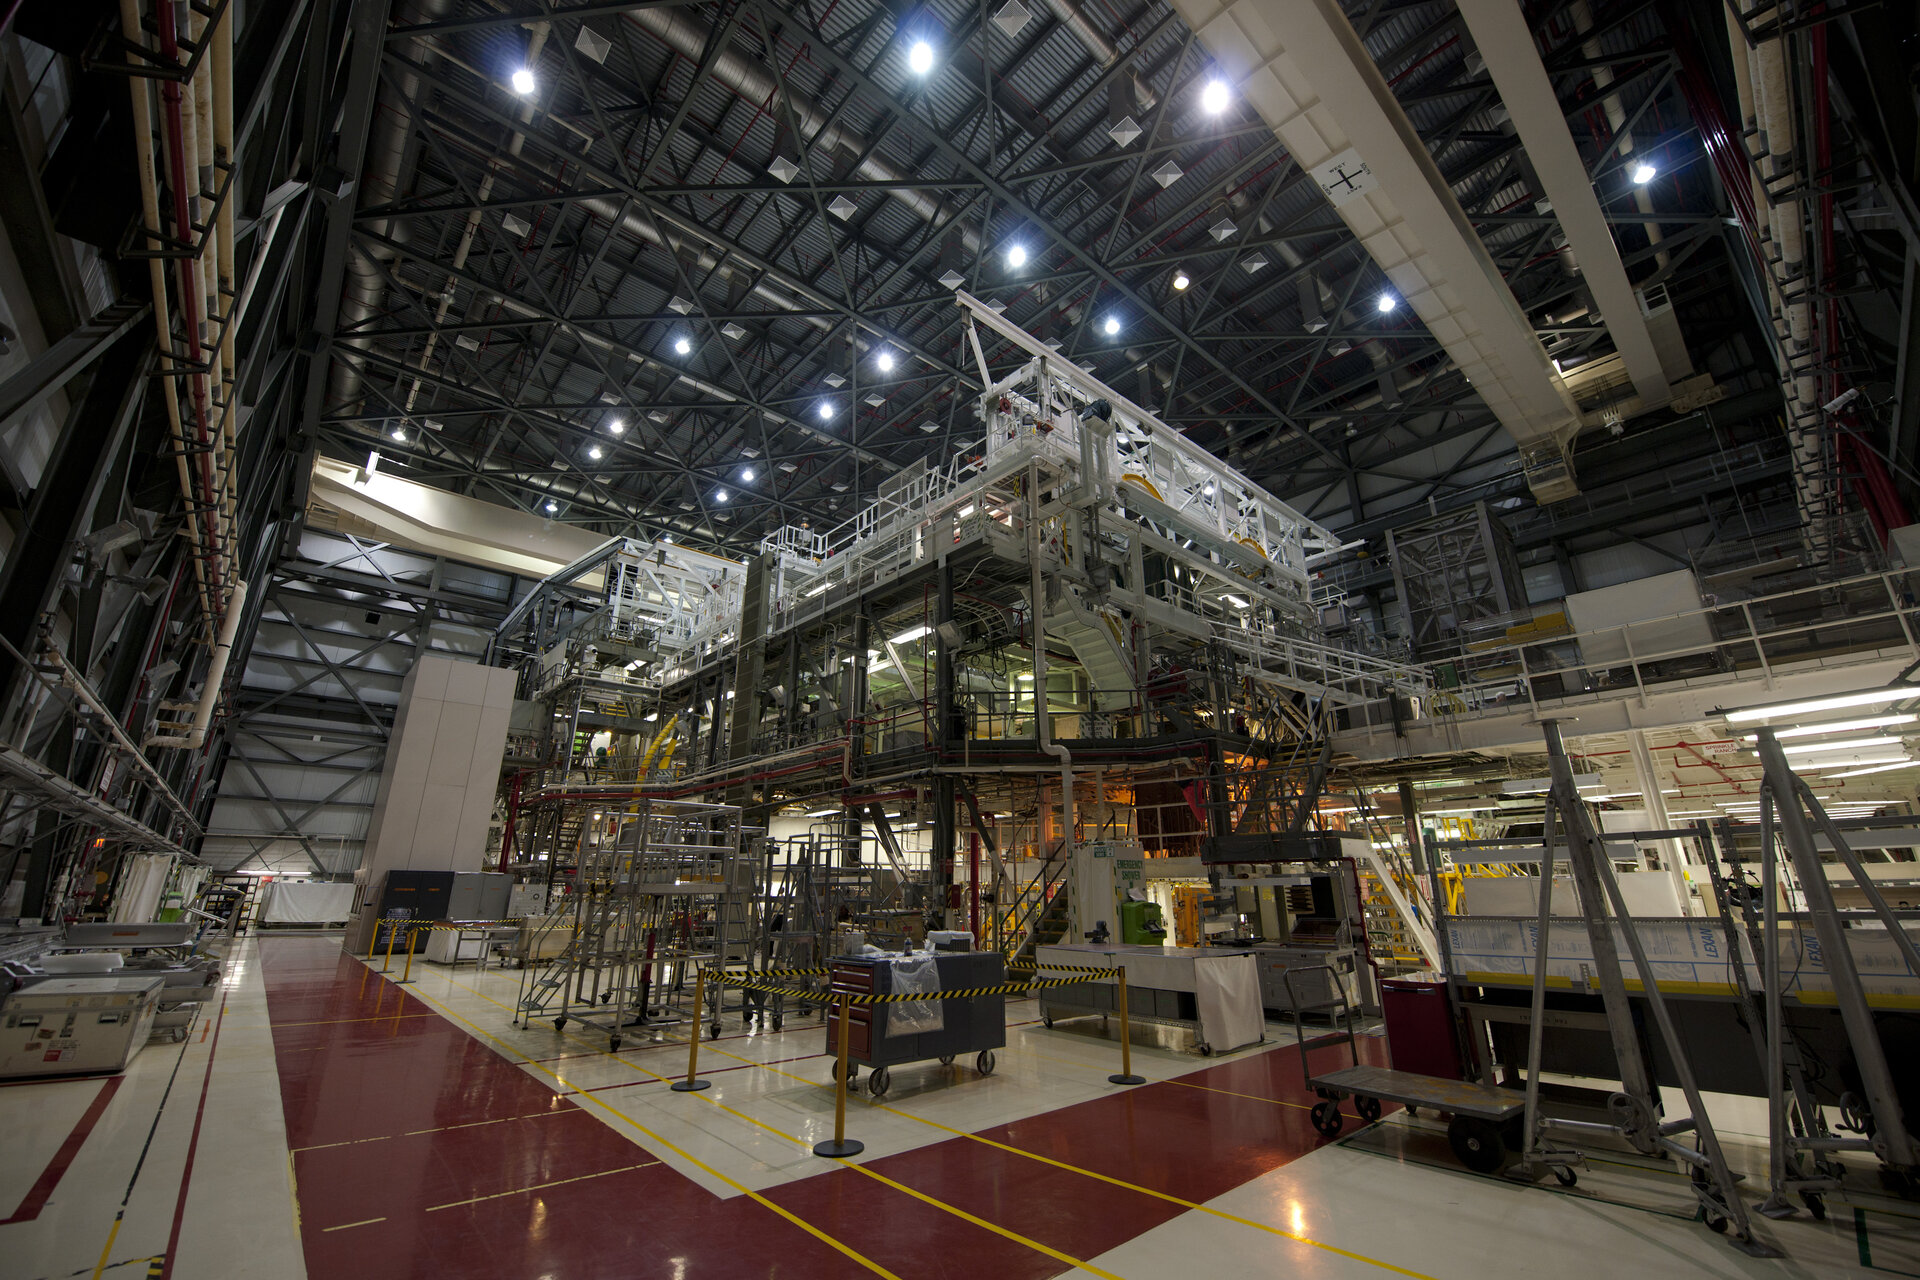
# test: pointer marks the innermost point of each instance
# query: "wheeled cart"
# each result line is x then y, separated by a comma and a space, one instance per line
975, 1024
1484, 1122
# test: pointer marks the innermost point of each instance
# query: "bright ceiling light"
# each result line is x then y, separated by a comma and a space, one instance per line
1845, 744
523, 81
746, 476
885, 361
920, 57
1387, 303
1181, 279
552, 506
1112, 325
1215, 97
826, 410
682, 344
399, 433
1865, 698
719, 495
1643, 174
595, 452
615, 426
1837, 726
1848, 761
1017, 256
909, 636
1876, 768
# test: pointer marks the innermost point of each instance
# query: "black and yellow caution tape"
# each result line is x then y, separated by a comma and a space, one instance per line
470, 926
1059, 968
817, 996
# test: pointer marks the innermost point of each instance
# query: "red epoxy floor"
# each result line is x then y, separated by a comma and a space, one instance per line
404, 1125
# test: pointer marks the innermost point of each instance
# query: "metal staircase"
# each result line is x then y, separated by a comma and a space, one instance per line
1095, 639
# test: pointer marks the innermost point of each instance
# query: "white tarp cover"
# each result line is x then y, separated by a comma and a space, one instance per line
1226, 993
307, 902
143, 879
916, 975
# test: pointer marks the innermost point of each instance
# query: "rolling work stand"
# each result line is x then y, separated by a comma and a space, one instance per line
975, 1024
1485, 1121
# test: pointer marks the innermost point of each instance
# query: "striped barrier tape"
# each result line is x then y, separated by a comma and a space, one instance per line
391, 922
820, 997
1058, 968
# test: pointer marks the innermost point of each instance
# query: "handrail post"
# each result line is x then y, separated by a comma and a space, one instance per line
1126, 1075
693, 1084
841, 1145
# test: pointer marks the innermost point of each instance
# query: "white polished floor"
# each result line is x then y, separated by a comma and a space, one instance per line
1383, 1199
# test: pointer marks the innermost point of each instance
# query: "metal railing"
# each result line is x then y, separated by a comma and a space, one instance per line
1859, 618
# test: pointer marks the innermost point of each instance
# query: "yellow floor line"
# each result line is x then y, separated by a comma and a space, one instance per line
364, 1222
591, 1050
108, 1251
1118, 1182
538, 1186
587, 1099
1035, 1245
1101, 1177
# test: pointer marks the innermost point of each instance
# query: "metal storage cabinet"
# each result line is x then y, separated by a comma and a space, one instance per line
970, 1024
62, 1026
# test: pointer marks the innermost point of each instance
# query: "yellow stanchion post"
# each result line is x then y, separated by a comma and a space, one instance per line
1126, 1075
841, 1144
407, 976
692, 1084
387, 963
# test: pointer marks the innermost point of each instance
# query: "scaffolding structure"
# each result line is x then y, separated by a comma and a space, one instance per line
658, 889
978, 670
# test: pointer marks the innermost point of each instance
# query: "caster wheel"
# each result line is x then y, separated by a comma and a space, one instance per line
559, 1024
1565, 1176
713, 1031
879, 1082
605, 996
1476, 1144
1412, 1111
1816, 1204
853, 1071
1046, 1019
776, 1024
1703, 1184
946, 1059
1327, 1118
1206, 1050
1369, 1108
984, 1063
613, 1044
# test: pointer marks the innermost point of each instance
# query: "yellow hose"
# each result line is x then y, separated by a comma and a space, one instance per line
646, 761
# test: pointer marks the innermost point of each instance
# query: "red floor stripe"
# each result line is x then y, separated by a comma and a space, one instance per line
193, 1146
42, 1189
382, 1078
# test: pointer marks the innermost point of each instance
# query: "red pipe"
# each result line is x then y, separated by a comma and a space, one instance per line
191, 310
